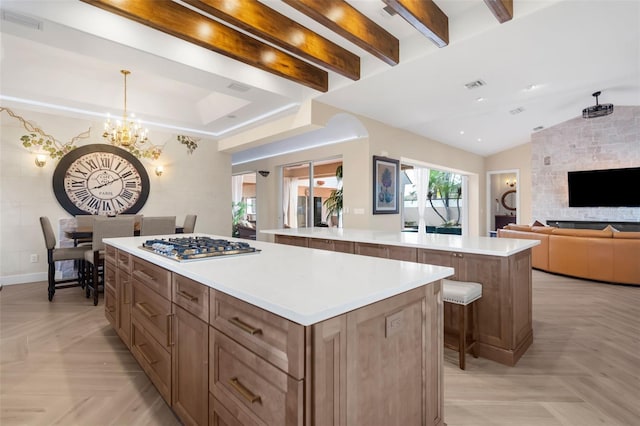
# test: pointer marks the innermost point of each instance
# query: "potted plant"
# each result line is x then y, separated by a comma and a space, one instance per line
333, 203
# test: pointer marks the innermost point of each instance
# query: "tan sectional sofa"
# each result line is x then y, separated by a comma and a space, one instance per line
602, 255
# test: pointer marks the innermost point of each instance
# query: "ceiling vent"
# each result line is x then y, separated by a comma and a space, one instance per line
516, 111
538, 128
25, 21
475, 84
597, 110
238, 87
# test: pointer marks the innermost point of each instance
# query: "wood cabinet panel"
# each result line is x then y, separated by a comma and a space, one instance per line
332, 245
191, 295
110, 276
189, 367
124, 261
110, 255
292, 241
155, 277
238, 377
408, 254
154, 359
110, 306
124, 297
219, 415
152, 311
277, 340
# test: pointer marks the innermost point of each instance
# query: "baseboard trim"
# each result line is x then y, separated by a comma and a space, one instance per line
23, 278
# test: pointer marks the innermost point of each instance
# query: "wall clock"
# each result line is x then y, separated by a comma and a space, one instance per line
100, 179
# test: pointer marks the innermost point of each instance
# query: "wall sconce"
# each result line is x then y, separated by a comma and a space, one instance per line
159, 170
511, 182
41, 160
264, 173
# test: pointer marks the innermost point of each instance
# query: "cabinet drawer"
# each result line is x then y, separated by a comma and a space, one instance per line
240, 378
110, 254
152, 311
110, 306
333, 245
292, 241
408, 254
191, 295
219, 415
110, 276
279, 341
153, 359
155, 277
124, 261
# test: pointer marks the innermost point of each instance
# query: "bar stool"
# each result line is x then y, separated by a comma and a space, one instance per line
463, 295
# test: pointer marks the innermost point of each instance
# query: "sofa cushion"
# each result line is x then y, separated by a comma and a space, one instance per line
626, 235
537, 223
543, 229
515, 227
591, 233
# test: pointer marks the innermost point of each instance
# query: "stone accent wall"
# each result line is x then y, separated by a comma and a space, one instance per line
579, 144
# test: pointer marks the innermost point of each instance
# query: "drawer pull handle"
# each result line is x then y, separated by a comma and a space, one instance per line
242, 390
145, 310
146, 358
144, 275
111, 309
244, 326
187, 296
169, 329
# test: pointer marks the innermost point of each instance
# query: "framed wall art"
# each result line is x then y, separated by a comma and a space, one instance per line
385, 185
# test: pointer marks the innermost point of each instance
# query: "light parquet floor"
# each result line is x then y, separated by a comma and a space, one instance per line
61, 363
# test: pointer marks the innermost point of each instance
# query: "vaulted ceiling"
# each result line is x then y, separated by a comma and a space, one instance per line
217, 67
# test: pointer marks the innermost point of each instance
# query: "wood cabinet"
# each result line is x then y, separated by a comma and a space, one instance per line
505, 322
408, 254
332, 245
219, 360
292, 241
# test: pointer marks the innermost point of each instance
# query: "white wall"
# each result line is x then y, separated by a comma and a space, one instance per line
199, 183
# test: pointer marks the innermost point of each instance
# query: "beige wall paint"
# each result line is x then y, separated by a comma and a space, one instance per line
518, 158
357, 173
197, 183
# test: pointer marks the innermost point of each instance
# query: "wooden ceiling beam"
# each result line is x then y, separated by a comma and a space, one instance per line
501, 9
425, 16
188, 25
268, 24
343, 19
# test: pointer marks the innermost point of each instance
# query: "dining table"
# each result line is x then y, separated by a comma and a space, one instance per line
85, 233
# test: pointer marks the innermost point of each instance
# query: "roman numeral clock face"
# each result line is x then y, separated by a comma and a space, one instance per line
100, 179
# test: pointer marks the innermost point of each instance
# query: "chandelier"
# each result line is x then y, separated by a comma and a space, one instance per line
129, 133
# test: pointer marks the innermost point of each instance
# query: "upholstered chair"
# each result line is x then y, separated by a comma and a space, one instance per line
104, 227
57, 255
158, 225
189, 223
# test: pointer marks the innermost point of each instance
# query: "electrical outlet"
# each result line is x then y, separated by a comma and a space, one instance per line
34, 258
394, 323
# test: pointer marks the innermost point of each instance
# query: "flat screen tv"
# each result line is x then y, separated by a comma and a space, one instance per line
604, 188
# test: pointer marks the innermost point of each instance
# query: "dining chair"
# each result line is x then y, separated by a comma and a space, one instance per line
84, 221
189, 223
103, 227
137, 220
158, 225
57, 255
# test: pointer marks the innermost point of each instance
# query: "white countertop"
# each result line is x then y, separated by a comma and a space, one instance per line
477, 245
303, 285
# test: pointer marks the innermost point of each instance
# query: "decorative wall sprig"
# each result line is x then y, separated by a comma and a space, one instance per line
189, 142
38, 138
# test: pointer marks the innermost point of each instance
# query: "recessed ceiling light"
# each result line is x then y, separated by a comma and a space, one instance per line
531, 87
480, 99
479, 139
462, 132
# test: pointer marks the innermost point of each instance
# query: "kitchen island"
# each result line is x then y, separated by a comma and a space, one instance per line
285, 336
502, 265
